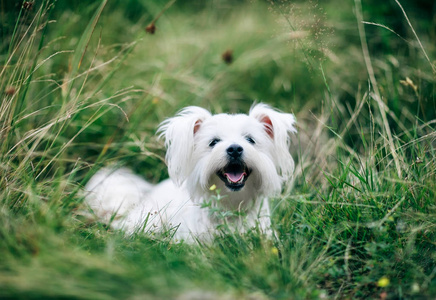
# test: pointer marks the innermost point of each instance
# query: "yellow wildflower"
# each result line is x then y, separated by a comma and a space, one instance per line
275, 251
383, 282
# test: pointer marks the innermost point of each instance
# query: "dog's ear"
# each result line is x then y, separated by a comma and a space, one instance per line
179, 133
279, 126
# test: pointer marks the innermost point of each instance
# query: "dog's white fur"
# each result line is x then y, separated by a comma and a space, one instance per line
199, 147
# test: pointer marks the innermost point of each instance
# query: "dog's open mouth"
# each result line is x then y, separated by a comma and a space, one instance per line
234, 175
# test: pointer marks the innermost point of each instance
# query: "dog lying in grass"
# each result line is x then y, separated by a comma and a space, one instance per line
222, 167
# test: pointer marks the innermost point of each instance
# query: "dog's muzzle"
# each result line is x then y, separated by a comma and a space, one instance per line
235, 173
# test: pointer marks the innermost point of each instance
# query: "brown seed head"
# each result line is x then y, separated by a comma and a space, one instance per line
28, 5
10, 90
227, 56
151, 28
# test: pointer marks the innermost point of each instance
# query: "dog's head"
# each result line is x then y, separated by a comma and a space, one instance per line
245, 156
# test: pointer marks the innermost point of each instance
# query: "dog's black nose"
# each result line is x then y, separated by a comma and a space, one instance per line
235, 151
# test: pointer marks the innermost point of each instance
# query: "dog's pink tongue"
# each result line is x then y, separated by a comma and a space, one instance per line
235, 177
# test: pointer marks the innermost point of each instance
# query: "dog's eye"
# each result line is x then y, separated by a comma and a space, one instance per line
214, 142
250, 139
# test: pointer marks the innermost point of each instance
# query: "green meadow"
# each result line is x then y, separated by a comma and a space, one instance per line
84, 84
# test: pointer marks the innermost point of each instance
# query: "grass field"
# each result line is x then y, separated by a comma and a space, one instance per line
85, 85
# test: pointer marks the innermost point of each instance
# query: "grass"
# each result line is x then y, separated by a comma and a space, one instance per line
83, 85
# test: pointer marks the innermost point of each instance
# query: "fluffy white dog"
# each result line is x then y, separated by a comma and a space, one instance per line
218, 164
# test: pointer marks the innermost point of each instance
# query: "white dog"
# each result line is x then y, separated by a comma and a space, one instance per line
218, 164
